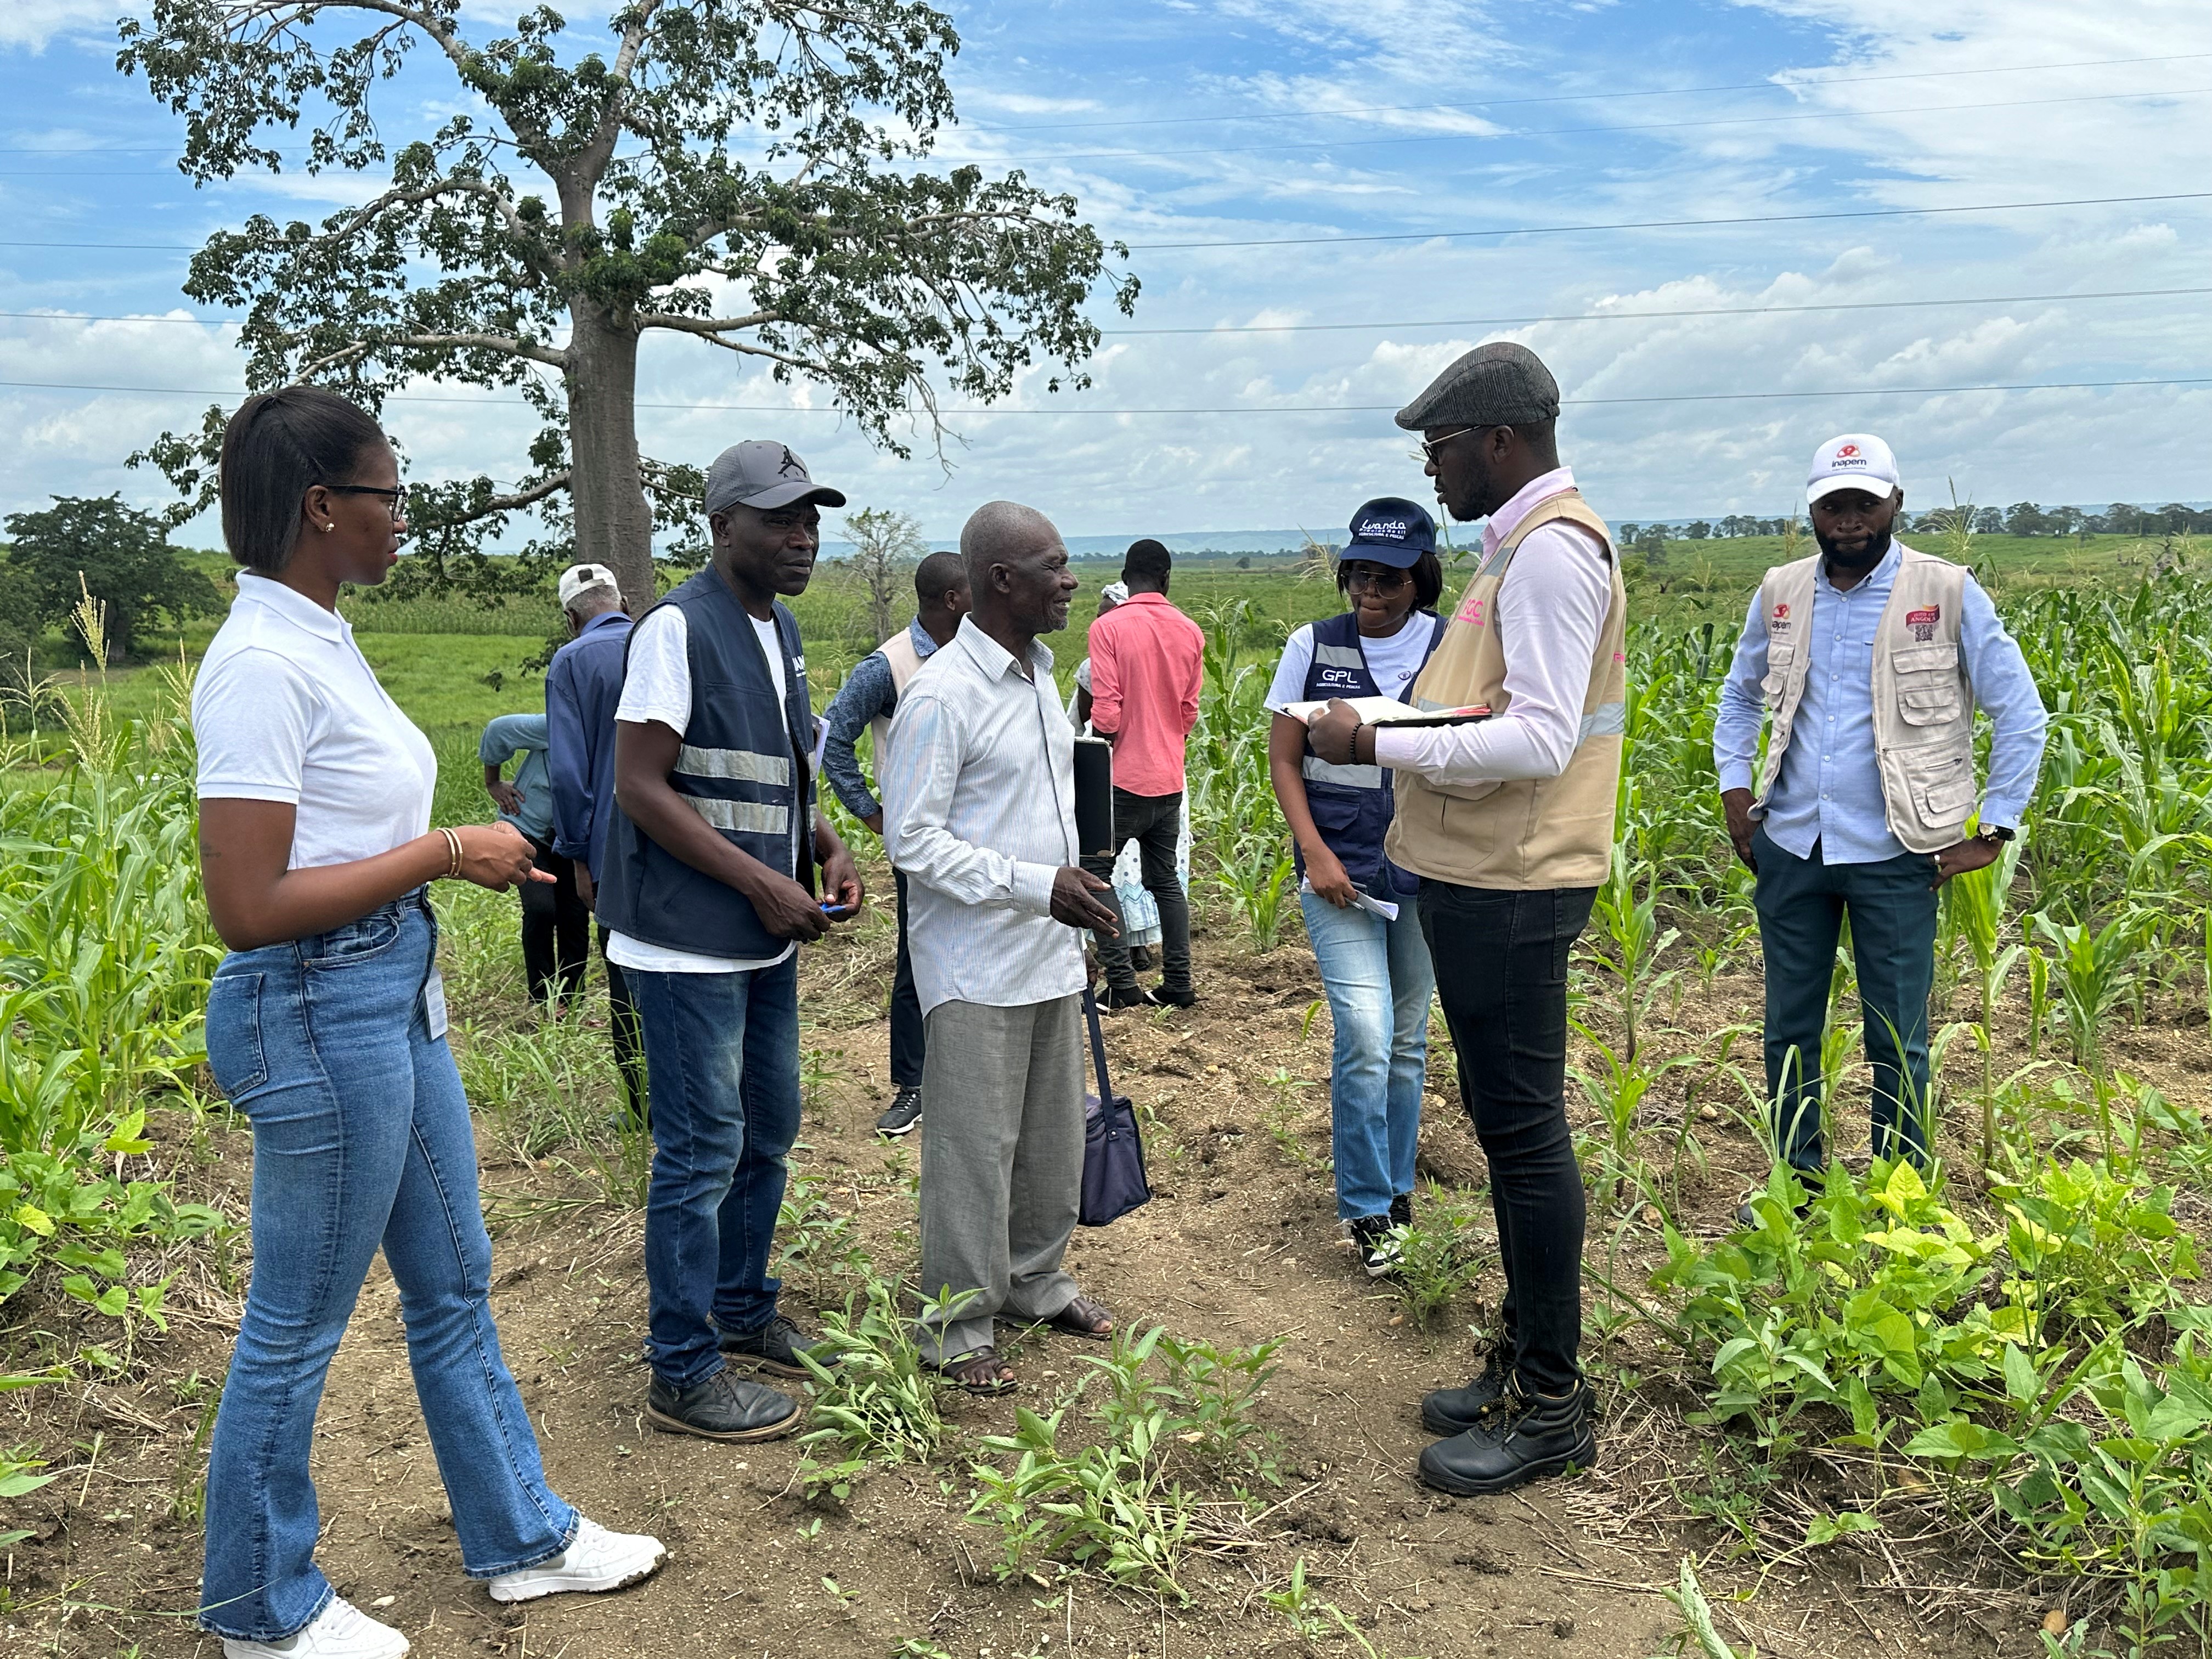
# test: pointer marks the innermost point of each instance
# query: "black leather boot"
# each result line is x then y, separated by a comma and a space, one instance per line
1528, 1436
1454, 1411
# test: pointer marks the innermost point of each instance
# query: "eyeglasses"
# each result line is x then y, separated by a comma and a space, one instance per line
1381, 582
1427, 452
394, 499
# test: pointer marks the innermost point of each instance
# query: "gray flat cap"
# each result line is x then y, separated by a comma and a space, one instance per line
1500, 384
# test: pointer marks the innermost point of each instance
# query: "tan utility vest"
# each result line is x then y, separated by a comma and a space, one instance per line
1531, 833
898, 651
1923, 703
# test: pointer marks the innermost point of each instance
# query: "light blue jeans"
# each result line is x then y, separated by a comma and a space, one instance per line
361, 1139
1379, 981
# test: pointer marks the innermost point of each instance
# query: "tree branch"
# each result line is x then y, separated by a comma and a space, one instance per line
706, 325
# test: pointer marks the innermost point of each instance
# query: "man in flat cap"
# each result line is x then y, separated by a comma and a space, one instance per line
1508, 822
706, 887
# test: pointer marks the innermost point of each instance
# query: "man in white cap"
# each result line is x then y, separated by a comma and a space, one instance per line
582, 687
706, 887
1871, 658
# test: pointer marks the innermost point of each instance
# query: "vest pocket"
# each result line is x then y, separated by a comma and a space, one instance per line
1779, 660
1942, 782
1929, 705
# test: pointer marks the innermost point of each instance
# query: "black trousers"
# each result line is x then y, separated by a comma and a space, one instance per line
629, 1036
1501, 961
556, 940
907, 1045
1155, 823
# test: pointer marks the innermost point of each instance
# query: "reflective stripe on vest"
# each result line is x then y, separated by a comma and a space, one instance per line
734, 765
1318, 770
743, 817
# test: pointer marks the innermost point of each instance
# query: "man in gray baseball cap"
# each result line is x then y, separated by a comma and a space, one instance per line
1508, 822
707, 888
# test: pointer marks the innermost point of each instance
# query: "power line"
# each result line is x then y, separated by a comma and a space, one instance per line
1437, 322
1665, 224
1451, 235
1248, 409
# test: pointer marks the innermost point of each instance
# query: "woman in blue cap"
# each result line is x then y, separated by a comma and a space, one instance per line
1365, 931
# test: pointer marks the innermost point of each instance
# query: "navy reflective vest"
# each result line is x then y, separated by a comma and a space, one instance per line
743, 765
1352, 805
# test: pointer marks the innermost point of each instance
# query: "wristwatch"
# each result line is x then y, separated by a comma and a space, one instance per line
1999, 833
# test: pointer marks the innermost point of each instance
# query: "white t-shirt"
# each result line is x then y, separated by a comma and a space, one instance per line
1393, 660
657, 686
286, 708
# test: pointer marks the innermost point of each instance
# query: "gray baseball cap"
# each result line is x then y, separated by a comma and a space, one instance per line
1500, 384
764, 473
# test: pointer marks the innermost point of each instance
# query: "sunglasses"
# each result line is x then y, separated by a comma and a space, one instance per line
1427, 452
1379, 581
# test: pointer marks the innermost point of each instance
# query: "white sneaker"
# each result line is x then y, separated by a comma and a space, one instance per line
340, 1630
596, 1559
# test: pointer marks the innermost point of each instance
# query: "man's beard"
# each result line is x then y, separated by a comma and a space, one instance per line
1479, 504
1877, 546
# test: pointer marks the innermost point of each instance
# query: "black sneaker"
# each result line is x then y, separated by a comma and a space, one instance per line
1128, 996
1370, 1238
1454, 1411
1402, 1210
1170, 997
771, 1348
723, 1407
1528, 1438
904, 1113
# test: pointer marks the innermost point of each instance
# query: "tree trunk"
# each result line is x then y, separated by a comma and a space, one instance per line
614, 524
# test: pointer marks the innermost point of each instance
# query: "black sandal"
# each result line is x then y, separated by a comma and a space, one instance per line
980, 1370
1082, 1317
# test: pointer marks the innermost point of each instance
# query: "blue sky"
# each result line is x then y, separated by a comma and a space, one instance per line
1307, 121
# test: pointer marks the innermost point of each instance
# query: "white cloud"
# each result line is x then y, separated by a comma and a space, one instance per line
32, 23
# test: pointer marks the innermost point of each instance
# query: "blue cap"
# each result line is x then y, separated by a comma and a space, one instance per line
1391, 530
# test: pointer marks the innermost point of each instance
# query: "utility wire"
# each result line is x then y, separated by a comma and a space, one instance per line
1437, 322
1276, 408
1449, 235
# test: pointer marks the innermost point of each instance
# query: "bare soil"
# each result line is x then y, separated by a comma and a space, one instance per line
1240, 1245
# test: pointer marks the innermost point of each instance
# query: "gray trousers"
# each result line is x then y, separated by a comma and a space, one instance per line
1001, 1166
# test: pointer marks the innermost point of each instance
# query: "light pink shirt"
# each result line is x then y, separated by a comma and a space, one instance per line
1147, 664
1550, 607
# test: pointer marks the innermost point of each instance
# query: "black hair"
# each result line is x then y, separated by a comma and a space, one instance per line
277, 446
938, 574
1542, 438
1427, 572
1147, 561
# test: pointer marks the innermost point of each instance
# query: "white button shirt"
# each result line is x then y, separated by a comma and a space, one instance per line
979, 813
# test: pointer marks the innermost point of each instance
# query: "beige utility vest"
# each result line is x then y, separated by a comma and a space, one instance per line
1529, 833
1923, 703
898, 651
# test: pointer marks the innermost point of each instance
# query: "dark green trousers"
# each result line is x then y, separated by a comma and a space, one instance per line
1801, 905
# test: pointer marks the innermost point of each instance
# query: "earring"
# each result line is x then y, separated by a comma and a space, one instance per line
329, 528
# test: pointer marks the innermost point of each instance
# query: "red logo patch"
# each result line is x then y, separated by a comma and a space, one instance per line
1846, 451
1922, 623
1782, 610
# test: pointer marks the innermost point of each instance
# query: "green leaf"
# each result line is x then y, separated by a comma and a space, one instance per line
1826, 1528
32, 1218
2021, 1382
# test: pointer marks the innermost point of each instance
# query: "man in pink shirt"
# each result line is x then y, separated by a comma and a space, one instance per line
1148, 662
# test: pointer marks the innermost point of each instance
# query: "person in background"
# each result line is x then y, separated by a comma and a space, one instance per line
1509, 823
1374, 965
583, 687
556, 922
866, 702
327, 1029
707, 885
979, 811
1140, 917
1147, 667
1872, 657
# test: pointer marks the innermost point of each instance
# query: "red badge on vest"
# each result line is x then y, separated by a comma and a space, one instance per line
1922, 623
1779, 622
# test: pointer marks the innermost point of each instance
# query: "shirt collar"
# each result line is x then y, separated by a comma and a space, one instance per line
918, 637
993, 659
1882, 572
1505, 521
293, 606
1144, 598
604, 618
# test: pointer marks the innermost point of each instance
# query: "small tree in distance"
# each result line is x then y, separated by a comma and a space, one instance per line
121, 556
884, 545
743, 174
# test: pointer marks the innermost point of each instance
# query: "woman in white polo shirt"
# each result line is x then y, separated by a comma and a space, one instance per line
327, 1028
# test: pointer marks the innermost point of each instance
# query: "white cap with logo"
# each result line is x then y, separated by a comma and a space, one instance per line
1857, 460
578, 577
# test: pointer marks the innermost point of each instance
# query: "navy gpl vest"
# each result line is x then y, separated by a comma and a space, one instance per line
1351, 806
743, 765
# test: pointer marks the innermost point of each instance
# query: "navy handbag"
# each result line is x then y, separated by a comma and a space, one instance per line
1113, 1157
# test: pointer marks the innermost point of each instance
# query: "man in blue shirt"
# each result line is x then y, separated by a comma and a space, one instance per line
1871, 658
553, 920
582, 688
866, 700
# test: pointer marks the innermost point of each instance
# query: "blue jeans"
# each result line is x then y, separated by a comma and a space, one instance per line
721, 1057
360, 1138
1801, 903
1379, 981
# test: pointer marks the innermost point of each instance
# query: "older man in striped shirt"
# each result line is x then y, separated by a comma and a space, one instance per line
979, 815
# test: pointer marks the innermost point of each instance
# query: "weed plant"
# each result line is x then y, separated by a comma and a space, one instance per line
873, 1402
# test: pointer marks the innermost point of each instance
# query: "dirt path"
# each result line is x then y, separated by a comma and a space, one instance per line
1239, 1247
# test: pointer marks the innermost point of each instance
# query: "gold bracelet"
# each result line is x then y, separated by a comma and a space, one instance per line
453, 853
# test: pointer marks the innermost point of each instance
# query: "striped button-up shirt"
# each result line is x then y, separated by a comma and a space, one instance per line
979, 813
